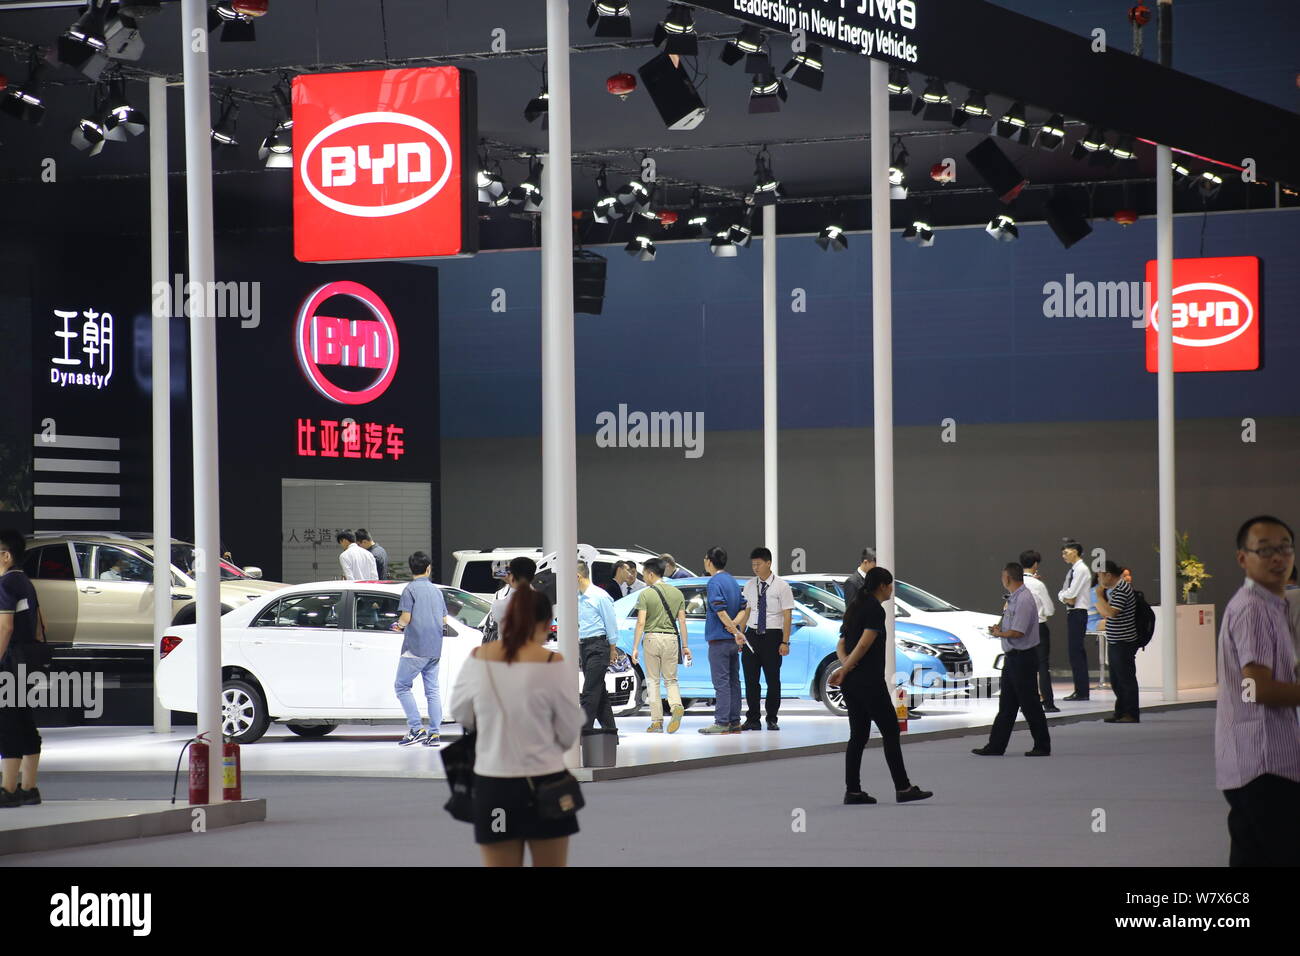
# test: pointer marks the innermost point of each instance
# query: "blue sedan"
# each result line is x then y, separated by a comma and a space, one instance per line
930, 662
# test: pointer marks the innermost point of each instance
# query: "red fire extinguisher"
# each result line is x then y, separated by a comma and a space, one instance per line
231, 777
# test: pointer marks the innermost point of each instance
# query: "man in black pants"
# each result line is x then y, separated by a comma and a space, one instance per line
767, 640
1076, 595
1029, 560
1019, 634
1118, 607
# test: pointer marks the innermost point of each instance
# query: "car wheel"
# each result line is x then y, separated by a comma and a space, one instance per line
312, 730
243, 712
188, 614
832, 697
688, 703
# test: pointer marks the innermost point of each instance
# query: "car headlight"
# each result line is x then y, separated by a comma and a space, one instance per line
916, 647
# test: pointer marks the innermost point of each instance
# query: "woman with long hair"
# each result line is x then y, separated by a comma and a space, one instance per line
522, 702
861, 676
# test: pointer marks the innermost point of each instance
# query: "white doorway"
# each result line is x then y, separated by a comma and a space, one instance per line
398, 515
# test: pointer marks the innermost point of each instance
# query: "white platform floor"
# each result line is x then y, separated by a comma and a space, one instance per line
365, 751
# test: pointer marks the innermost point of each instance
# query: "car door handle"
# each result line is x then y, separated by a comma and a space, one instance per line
259, 643
182, 597
90, 589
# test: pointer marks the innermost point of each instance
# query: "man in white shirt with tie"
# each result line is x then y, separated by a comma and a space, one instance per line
1076, 595
1029, 560
767, 639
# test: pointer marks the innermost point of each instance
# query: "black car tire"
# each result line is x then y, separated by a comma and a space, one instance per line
312, 730
187, 614
832, 698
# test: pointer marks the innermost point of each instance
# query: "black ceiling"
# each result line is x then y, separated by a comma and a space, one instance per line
818, 140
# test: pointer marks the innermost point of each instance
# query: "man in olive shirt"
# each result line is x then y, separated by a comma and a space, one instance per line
661, 617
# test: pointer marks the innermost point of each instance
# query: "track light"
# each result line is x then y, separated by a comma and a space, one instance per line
528, 193
634, 196
767, 190
607, 208
1052, 134
747, 45
898, 172
934, 102
722, 246
83, 45
806, 68
223, 134
276, 151
1093, 142
24, 102
1209, 183
641, 247
1182, 175
676, 31
742, 232
611, 18
920, 232
1125, 148
89, 134
900, 89
1002, 227
767, 93
490, 185
236, 27
975, 104
538, 106
832, 239
1012, 123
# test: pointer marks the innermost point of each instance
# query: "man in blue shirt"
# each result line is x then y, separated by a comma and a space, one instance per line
597, 634
1018, 632
423, 613
722, 603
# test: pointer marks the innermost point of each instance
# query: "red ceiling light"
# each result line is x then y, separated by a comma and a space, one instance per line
1139, 15
943, 172
667, 218
251, 8
621, 85
1126, 217
4, 81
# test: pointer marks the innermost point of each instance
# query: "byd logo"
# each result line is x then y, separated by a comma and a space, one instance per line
323, 340
370, 165
1209, 313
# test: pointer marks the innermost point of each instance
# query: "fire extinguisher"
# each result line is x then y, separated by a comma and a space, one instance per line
900, 708
232, 787
198, 770
231, 776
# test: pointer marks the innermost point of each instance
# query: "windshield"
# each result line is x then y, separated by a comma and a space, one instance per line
921, 600
469, 609
183, 558
821, 602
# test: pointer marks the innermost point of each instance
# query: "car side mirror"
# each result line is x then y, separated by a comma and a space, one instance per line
254, 573
802, 620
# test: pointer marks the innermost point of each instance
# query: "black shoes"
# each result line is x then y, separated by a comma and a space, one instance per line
1038, 753
1126, 719
772, 725
913, 793
751, 725
1051, 709
11, 799
1075, 697
985, 752
858, 797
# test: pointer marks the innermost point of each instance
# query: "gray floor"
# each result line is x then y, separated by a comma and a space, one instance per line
1109, 796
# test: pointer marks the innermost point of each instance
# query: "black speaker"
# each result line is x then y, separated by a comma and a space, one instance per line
996, 170
1066, 221
673, 93
588, 282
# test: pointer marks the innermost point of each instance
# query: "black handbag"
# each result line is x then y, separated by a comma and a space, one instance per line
458, 761
35, 656
557, 799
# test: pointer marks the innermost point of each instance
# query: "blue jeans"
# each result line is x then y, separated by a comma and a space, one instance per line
724, 668
427, 669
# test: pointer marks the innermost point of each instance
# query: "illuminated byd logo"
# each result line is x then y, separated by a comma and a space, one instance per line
364, 165
324, 340
1208, 313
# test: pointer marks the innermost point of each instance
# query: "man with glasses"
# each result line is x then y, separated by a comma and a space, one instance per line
1256, 731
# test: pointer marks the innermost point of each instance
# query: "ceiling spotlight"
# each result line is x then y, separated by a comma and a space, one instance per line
1182, 175
223, 134
921, 233
611, 18
24, 102
607, 208
747, 44
900, 89
236, 27
641, 248
832, 239
697, 219
676, 31
83, 45
120, 117
767, 190
1209, 183
276, 151
1125, 148
1003, 228
898, 172
975, 104
742, 232
934, 102
538, 106
722, 246
1052, 134
528, 193
489, 183
89, 134
1012, 123
767, 93
634, 195
806, 68
1093, 142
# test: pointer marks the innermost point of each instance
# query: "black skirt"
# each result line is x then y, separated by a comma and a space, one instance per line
504, 810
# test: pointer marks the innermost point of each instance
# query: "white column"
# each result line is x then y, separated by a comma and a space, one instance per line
559, 445
771, 518
203, 375
160, 283
882, 341
1165, 418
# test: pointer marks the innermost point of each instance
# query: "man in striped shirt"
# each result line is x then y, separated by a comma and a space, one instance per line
1116, 603
1256, 731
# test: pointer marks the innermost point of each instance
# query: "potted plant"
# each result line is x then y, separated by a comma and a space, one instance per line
1191, 571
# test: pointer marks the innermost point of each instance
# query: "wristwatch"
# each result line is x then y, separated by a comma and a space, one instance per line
785, 644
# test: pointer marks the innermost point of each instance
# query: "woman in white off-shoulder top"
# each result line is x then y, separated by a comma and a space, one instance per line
522, 701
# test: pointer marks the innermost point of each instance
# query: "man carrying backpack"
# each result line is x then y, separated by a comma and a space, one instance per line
1116, 602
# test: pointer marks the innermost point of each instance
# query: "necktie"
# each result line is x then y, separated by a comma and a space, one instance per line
762, 609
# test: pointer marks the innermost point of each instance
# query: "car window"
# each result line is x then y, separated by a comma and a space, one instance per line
55, 563
602, 572
694, 602
476, 576
921, 600
82, 551
32, 562
376, 612
821, 602
469, 609
302, 610
112, 563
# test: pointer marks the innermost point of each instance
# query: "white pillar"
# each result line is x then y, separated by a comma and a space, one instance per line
882, 340
203, 375
559, 444
1165, 419
771, 522
160, 283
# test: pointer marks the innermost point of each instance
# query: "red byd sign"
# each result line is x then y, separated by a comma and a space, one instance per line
322, 340
379, 165
1215, 314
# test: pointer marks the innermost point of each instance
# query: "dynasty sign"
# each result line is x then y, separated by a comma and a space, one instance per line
1215, 315
380, 165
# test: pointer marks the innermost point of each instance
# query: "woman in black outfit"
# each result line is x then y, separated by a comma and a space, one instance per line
861, 675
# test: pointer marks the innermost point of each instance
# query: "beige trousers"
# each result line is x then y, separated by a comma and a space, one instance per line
660, 661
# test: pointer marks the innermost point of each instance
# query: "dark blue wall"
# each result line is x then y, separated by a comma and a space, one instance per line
970, 339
